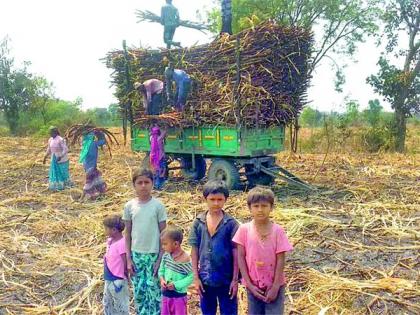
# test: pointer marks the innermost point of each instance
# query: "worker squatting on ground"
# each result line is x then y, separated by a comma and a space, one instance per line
182, 86
152, 95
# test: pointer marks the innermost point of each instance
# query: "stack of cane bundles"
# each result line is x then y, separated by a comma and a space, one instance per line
257, 78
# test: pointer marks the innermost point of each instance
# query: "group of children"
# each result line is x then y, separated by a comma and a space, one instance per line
223, 253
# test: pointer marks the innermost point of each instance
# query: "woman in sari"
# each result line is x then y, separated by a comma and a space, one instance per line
157, 156
94, 185
59, 176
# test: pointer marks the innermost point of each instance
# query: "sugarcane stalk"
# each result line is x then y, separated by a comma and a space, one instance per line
272, 83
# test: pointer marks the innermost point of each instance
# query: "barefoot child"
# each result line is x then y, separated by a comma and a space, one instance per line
116, 298
214, 257
175, 273
262, 247
145, 219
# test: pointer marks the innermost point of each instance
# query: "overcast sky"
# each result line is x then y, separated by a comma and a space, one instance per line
65, 40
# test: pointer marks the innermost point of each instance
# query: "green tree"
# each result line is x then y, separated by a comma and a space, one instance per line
99, 116
16, 88
400, 85
341, 24
310, 117
352, 112
373, 114
114, 111
43, 98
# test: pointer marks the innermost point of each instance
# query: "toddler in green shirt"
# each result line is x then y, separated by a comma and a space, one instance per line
175, 273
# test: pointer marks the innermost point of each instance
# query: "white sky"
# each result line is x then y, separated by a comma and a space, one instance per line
65, 40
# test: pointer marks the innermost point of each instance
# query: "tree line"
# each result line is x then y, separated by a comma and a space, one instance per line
371, 129
28, 105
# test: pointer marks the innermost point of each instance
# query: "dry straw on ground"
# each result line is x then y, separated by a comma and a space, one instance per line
356, 239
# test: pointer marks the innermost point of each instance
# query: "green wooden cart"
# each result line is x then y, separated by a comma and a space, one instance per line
239, 156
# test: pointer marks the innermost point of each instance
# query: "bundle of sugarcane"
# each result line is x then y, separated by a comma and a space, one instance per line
269, 88
171, 119
147, 16
76, 132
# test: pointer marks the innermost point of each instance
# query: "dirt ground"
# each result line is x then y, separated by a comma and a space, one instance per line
356, 238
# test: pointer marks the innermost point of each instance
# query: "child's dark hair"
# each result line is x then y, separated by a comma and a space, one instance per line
142, 172
114, 222
174, 233
215, 187
259, 194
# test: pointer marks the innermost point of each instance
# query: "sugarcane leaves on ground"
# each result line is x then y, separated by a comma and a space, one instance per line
356, 239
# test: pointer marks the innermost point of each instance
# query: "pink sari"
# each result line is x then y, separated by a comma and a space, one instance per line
157, 152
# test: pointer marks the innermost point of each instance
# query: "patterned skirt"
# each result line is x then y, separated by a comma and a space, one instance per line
59, 176
95, 185
147, 293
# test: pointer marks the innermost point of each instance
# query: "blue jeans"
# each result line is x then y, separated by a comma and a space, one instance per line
212, 295
182, 94
258, 307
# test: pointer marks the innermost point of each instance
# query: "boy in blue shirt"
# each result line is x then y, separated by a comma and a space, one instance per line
214, 258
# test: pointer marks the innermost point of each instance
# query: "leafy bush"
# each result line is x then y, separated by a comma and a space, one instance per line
62, 114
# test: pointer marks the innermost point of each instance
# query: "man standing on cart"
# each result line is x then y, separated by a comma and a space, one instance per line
169, 18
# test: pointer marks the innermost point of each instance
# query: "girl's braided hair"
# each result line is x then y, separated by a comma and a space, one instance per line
114, 221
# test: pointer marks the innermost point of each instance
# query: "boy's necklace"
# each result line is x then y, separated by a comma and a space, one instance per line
263, 235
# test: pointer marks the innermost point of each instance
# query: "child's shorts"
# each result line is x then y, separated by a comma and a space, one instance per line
116, 298
257, 307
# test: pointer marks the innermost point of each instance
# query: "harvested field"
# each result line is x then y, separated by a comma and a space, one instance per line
356, 239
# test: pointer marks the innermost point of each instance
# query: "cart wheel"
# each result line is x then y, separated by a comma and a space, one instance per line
200, 168
225, 170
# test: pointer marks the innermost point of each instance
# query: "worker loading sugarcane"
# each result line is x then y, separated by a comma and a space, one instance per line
151, 91
182, 86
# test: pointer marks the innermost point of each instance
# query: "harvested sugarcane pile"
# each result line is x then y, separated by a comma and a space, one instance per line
171, 119
75, 133
273, 63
